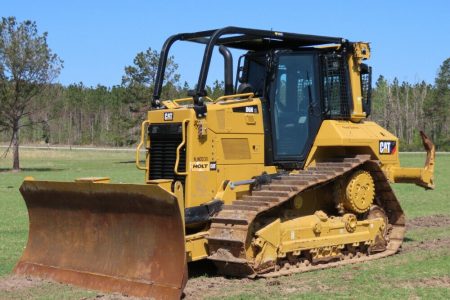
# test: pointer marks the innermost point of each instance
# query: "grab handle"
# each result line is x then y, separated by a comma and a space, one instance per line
183, 142
138, 149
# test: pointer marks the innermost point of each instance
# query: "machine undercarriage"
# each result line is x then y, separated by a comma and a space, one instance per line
273, 232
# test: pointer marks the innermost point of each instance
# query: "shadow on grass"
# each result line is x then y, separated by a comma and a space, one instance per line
408, 239
130, 162
8, 170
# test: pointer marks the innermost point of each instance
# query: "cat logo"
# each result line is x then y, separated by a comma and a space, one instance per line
387, 147
168, 116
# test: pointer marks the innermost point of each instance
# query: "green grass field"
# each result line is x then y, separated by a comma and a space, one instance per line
421, 270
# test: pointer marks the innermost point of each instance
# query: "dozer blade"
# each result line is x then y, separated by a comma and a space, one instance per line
111, 237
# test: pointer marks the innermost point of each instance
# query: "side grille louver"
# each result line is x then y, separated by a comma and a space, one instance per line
164, 140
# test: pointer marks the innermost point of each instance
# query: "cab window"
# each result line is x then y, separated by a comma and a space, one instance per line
293, 93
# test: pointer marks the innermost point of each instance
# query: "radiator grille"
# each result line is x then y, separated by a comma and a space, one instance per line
164, 140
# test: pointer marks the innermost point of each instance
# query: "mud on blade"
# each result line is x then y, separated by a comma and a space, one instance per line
123, 238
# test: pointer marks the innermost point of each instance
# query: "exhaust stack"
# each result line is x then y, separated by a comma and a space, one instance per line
228, 67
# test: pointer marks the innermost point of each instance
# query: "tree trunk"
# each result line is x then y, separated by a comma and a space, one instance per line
15, 144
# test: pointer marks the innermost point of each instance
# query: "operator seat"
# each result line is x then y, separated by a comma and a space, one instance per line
245, 88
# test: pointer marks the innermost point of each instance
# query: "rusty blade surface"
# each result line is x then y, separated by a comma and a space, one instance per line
112, 237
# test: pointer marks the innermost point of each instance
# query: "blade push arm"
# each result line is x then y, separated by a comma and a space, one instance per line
423, 177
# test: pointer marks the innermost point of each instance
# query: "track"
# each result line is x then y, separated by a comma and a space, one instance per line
231, 230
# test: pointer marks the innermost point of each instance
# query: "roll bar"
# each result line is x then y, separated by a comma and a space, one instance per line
245, 39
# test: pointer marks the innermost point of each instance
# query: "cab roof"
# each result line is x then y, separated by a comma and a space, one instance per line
255, 39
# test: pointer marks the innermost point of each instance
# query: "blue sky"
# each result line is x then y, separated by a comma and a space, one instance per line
96, 39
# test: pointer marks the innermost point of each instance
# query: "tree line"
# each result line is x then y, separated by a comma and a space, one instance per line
95, 116
99, 116
34, 109
405, 108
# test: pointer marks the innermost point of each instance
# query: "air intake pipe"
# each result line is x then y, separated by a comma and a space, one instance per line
228, 69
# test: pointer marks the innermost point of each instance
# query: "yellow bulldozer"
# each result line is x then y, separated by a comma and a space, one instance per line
281, 174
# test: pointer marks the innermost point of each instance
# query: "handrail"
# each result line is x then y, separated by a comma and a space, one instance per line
138, 148
226, 97
175, 103
191, 99
234, 184
183, 142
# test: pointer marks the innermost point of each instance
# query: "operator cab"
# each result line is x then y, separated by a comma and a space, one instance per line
300, 79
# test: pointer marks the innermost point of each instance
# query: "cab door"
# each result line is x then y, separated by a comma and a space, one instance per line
295, 107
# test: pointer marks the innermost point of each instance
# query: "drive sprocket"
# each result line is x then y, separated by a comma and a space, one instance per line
359, 192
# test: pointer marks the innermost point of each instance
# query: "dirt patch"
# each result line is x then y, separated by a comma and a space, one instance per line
431, 282
200, 288
428, 222
434, 221
426, 245
14, 283
115, 296
21, 284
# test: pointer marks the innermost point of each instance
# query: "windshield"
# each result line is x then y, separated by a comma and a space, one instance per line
256, 73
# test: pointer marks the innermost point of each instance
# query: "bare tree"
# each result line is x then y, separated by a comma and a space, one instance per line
27, 67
